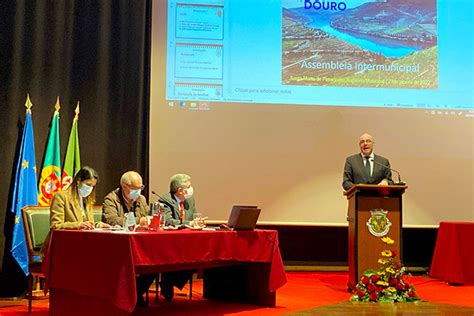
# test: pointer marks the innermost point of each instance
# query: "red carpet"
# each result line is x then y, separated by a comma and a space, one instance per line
433, 290
304, 290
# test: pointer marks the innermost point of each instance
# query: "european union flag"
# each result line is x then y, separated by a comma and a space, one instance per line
25, 192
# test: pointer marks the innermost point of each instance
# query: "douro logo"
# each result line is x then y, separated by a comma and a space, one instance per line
325, 5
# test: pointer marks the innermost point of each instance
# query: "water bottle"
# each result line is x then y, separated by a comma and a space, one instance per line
129, 221
155, 208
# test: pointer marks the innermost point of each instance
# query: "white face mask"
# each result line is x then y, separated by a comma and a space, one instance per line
84, 190
189, 192
134, 194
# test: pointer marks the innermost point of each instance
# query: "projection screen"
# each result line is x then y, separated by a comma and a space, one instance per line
261, 101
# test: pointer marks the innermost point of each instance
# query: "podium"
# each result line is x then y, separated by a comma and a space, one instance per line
374, 211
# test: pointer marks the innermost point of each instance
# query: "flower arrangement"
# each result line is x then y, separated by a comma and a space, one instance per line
387, 284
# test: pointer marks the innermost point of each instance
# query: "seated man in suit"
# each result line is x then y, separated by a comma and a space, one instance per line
366, 167
179, 209
128, 198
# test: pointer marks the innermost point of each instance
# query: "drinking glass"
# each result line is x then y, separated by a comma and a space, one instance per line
154, 208
197, 220
162, 220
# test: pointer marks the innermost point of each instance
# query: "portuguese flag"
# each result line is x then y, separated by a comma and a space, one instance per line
50, 179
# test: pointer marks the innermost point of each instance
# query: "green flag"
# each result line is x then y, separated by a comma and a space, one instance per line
50, 180
72, 162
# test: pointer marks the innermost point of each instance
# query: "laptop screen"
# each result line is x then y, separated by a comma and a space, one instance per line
243, 217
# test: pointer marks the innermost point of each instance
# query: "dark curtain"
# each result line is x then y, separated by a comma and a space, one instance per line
95, 52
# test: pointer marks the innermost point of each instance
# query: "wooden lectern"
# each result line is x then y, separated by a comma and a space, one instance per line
374, 211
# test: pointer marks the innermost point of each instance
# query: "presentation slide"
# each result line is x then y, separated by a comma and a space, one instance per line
392, 53
369, 45
261, 101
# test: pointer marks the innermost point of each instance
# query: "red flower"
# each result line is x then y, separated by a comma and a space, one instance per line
394, 253
397, 265
371, 288
360, 293
374, 278
373, 297
364, 280
411, 294
394, 281
400, 287
379, 289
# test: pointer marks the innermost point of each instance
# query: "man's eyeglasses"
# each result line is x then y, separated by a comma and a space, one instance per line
141, 187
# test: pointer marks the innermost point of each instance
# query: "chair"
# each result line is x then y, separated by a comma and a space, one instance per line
157, 287
36, 225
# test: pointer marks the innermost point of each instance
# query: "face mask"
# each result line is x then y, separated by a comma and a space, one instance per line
189, 193
85, 190
134, 194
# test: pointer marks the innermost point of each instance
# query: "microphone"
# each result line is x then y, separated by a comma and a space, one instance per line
161, 198
170, 205
400, 182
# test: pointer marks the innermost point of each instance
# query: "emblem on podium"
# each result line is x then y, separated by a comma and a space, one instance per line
378, 223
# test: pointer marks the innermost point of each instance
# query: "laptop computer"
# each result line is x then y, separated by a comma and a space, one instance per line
243, 217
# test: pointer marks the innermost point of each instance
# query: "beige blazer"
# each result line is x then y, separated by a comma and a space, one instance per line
65, 212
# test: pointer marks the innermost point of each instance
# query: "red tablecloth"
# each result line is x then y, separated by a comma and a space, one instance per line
453, 258
99, 268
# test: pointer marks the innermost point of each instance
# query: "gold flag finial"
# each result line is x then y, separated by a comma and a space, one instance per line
57, 106
28, 103
77, 111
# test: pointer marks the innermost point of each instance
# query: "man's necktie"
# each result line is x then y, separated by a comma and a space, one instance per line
181, 209
367, 166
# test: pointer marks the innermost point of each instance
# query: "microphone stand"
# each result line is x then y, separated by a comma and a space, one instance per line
400, 182
161, 198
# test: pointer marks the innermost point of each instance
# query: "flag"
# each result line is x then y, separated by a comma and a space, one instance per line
24, 189
50, 180
72, 162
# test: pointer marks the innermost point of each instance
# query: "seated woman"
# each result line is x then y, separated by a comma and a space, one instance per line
72, 208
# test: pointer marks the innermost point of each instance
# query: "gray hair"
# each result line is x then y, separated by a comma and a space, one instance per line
127, 177
178, 181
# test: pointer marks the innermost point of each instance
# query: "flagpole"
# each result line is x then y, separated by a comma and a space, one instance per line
37, 293
28, 103
76, 117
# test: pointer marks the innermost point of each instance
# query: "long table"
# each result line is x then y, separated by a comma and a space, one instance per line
453, 258
93, 272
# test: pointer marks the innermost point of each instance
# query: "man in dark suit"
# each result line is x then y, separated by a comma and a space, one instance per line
366, 167
179, 209
178, 204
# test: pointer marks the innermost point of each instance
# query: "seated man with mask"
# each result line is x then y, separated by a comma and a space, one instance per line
127, 198
179, 209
